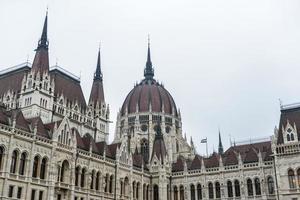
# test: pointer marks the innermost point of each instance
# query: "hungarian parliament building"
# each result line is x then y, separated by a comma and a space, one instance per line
54, 144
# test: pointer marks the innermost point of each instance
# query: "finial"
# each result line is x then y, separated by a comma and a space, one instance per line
98, 74
149, 72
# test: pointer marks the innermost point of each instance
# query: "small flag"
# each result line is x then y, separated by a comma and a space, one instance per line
204, 140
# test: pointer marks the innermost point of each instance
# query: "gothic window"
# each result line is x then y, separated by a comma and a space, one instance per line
156, 193
270, 185
229, 189
137, 190
193, 192
63, 171
181, 192
144, 148
218, 190
292, 180
111, 184
210, 191
250, 187
298, 175
1, 156
43, 168
237, 188
177, 146
175, 193
288, 137
106, 183
82, 183
77, 175
257, 186
292, 137
36, 161
92, 179
199, 192
13, 164
22, 163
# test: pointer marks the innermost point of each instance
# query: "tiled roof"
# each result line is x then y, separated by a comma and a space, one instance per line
149, 92
196, 163
42, 130
97, 93
291, 115
178, 165
212, 161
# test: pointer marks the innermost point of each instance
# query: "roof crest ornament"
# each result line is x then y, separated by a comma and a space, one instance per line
149, 71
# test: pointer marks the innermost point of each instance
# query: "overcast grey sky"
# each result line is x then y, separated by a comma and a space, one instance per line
226, 63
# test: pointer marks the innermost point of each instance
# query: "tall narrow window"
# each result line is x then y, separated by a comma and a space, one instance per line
97, 180
111, 184
270, 185
156, 193
210, 190
106, 183
298, 175
199, 192
181, 192
137, 190
11, 191
292, 180
77, 169
229, 189
22, 163
82, 183
257, 186
36, 161
63, 171
175, 193
13, 164
92, 179
218, 190
33, 194
250, 187
237, 188
43, 168
192, 192
1, 157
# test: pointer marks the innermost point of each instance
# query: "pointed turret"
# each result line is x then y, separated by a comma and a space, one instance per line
41, 59
97, 92
220, 148
149, 71
159, 147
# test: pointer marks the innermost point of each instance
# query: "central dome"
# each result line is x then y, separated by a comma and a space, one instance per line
149, 95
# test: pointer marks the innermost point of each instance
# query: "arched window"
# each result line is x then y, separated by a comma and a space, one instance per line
92, 179
106, 183
237, 188
82, 178
270, 185
43, 168
175, 193
298, 175
210, 190
288, 137
292, 137
97, 181
192, 188
77, 170
111, 183
144, 148
181, 192
1, 156
199, 192
137, 190
250, 187
257, 186
229, 189
218, 190
156, 192
14, 159
292, 181
22, 163
35, 166
63, 171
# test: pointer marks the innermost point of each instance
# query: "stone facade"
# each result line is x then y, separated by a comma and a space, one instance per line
53, 145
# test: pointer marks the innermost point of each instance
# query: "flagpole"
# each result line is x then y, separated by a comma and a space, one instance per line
206, 148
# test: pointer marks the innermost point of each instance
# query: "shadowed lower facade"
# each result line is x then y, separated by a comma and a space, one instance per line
54, 144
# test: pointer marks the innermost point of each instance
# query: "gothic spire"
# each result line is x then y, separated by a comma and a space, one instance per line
98, 74
220, 149
43, 42
41, 60
149, 71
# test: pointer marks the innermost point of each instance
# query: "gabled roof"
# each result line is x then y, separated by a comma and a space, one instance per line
42, 130
196, 163
212, 161
293, 117
178, 165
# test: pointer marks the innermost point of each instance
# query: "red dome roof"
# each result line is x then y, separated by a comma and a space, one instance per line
147, 92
